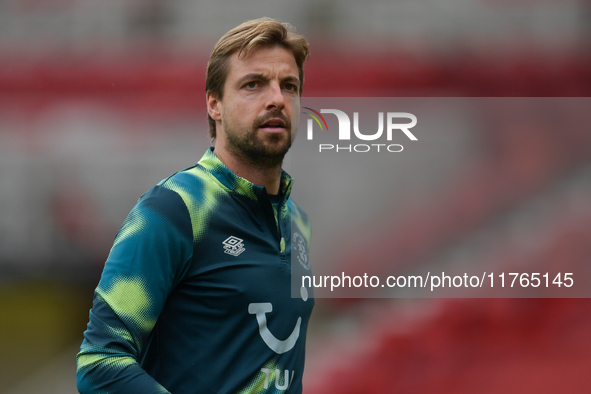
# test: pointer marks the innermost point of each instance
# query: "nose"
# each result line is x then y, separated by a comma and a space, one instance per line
275, 99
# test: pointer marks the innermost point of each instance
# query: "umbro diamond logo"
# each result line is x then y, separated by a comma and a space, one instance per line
233, 245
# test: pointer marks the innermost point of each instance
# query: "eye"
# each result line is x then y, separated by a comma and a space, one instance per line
251, 85
291, 87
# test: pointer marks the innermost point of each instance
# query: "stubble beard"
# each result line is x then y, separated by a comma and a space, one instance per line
256, 148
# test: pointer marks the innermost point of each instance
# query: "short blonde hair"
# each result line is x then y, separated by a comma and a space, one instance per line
250, 34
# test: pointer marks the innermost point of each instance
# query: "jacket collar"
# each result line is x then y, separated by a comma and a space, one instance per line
236, 184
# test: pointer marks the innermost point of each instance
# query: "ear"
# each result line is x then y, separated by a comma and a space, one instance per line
212, 106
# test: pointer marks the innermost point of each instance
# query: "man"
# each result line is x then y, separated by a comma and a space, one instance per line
195, 295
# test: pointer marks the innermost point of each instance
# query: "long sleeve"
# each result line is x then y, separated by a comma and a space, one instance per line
150, 255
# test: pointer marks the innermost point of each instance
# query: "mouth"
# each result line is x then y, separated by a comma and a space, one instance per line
274, 125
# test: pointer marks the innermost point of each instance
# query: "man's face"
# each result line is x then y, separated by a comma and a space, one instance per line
254, 120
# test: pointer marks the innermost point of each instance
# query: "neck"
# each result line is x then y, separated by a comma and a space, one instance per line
264, 175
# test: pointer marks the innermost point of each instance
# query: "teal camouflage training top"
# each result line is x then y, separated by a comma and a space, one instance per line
195, 296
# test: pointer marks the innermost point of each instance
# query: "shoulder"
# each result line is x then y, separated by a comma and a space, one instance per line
191, 180
193, 192
194, 185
